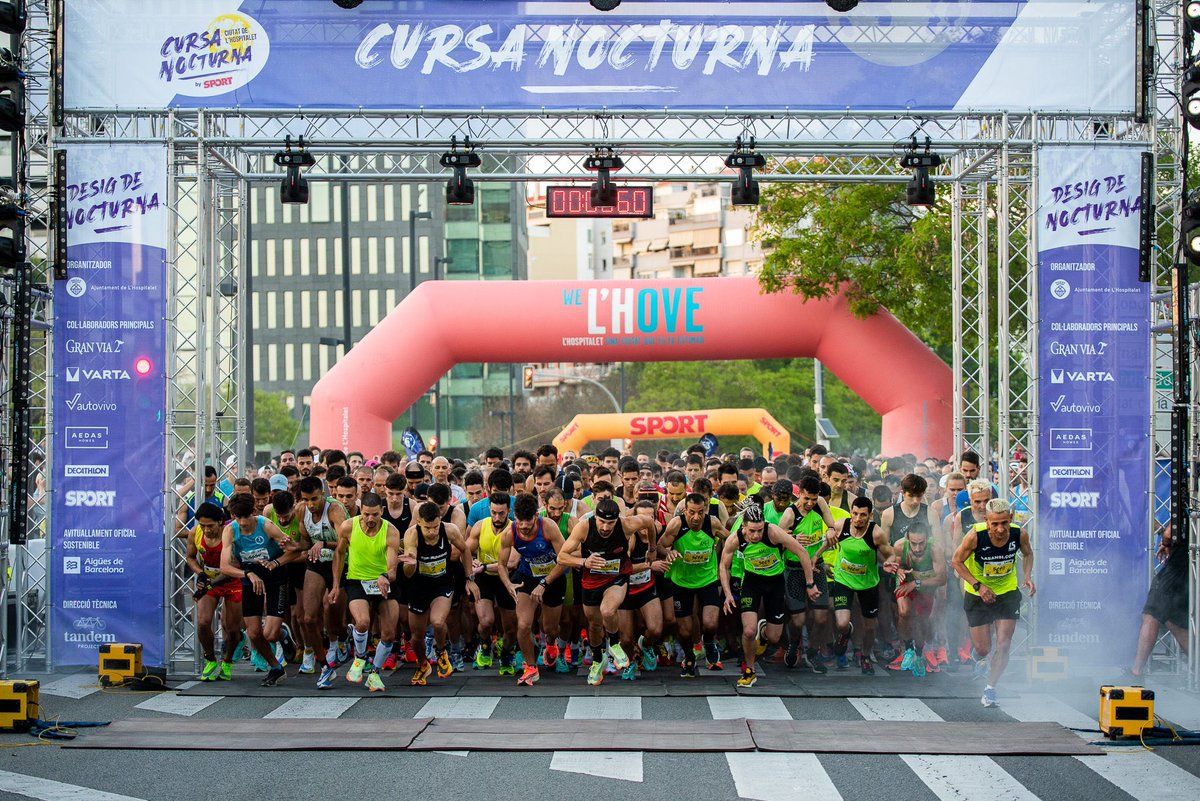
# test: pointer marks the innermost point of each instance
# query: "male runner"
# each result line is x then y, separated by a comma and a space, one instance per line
690, 543
762, 546
909, 514
641, 599
491, 595
369, 547
426, 560
537, 581
600, 548
922, 572
346, 492
986, 562
808, 520
322, 517
304, 462
212, 587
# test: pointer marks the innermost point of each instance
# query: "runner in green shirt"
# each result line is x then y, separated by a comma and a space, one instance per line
690, 543
807, 520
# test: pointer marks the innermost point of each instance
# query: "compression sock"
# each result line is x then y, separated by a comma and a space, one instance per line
908, 644
360, 643
382, 651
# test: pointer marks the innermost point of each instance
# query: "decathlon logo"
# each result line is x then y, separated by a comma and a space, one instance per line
86, 471
1060, 289
1074, 500
222, 56
95, 499
1071, 471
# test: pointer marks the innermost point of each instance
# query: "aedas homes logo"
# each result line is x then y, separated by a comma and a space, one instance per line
222, 56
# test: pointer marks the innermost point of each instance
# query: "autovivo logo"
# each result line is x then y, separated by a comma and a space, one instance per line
652, 424
1070, 439
87, 437
224, 55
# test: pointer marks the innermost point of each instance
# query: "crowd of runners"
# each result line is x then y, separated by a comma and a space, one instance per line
613, 564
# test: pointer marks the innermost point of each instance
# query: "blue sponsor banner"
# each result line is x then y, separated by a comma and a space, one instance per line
109, 389
1094, 403
496, 54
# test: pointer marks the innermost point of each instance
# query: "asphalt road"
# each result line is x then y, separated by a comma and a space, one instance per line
56, 774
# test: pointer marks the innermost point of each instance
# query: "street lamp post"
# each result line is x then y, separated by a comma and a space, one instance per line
438, 263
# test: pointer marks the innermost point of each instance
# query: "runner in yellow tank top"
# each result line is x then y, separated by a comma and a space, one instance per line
491, 598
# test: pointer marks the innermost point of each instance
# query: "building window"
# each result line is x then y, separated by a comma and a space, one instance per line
495, 205
257, 357
355, 256
460, 213
255, 314
405, 200
306, 308
372, 203
391, 301
255, 256
423, 253
422, 197
465, 256
389, 202
464, 410
271, 310
289, 362
324, 351
305, 247
337, 255
319, 201
270, 203
356, 304
497, 258
272, 362
355, 203
389, 255
269, 247
322, 308
289, 319
287, 257
373, 255
322, 256
306, 361
467, 370
337, 308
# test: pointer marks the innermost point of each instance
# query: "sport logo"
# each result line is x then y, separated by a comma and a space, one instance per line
1071, 471
1074, 500
1070, 439
87, 437
223, 56
102, 499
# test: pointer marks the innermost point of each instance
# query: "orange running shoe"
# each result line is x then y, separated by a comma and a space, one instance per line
931, 661
942, 658
897, 663
421, 674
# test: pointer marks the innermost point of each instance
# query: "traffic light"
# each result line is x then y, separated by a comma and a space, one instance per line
527, 376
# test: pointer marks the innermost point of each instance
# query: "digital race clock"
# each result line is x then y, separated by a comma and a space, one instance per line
576, 201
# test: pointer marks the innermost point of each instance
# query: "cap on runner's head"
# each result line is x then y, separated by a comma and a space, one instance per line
414, 471
422, 491
607, 509
567, 484
279, 483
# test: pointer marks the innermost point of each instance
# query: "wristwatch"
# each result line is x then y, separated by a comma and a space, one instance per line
917, 582
976, 585
812, 584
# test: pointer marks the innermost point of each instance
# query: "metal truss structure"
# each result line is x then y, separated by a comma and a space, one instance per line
988, 175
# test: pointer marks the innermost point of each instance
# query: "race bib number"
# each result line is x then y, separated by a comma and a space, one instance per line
326, 555
212, 572
541, 569
763, 562
371, 588
611, 567
853, 568
809, 538
995, 569
696, 557
436, 567
254, 554
640, 577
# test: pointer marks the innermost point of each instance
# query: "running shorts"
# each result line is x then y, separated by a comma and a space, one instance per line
357, 591
767, 591
636, 600
422, 592
551, 597
868, 599
593, 597
1167, 602
277, 597
1007, 606
796, 589
491, 588
922, 602
708, 595
230, 591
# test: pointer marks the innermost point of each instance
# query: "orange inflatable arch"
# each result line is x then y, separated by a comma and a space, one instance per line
758, 423
444, 323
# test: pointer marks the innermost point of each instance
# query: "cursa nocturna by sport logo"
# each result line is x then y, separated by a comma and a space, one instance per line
224, 55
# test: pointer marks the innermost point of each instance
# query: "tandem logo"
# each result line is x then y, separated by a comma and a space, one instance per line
1070, 439
87, 437
96, 499
1074, 500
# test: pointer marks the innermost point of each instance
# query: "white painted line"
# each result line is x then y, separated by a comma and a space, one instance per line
1182, 709
751, 707
950, 777
77, 685
321, 707
172, 704
781, 777
623, 765
470, 706
1144, 775
49, 790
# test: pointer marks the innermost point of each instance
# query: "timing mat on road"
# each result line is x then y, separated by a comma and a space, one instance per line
438, 734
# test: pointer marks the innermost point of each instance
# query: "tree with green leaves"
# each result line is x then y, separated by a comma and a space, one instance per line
274, 425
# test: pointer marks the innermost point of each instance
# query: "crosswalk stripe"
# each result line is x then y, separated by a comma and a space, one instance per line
50, 790
173, 704
323, 707
1139, 773
950, 777
476, 707
624, 765
77, 685
751, 707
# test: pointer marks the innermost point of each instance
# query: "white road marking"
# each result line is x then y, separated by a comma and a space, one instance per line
624, 765
172, 704
477, 707
49, 790
1178, 707
950, 777
751, 707
1144, 775
77, 685
781, 777
321, 707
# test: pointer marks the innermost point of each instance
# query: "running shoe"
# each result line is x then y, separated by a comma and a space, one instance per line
421, 674
596, 672
748, 678
664, 653
867, 668
343, 653
890, 652
430, 650
445, 669
391, 663
899, 662
325, 680
506, 665
712, 655
409, 655
587, 657
816, 666
279, 655
649, 657
483, 658
355, 674
529, 676
918, 667
989, 697
560, 664
964, 654
629, 673
550, 654
942, 658
842, 662
909, 659
211, 669
697, 651
274, 676
568, 655
257, 662
308, 663
616, 653
791, 655
226, 673
760, 645
456, 659
519, 660
687, 669
980, 670
931, 661
374, 681
286, 643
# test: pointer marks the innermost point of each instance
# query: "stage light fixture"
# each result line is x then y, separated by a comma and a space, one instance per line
1191, 15
1190, 91
12, 93
294, 188
841, 6
1190, 229
604, 162
920, 190
460, 190
605, 5
348, 3
12, 227
745, 161
13, 17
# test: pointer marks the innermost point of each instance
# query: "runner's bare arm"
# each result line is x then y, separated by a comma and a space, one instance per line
1027, 562
409, 558
454, 534
569, 555
555, 538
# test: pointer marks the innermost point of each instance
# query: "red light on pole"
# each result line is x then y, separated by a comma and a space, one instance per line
143, 366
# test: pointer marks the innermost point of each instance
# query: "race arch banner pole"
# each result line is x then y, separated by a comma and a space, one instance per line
1094, 403
109, 388
758, 423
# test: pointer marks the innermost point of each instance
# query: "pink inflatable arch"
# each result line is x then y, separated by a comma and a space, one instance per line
444, 323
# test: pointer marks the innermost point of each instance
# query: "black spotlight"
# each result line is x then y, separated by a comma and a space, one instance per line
604, 162
12, 93
605, 5
745, 161
348, 3
920, 190
1191, 95
13, 18
294, 188
841, 6
12, 227
1191, 15
460, 190
1190, 229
